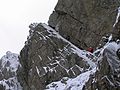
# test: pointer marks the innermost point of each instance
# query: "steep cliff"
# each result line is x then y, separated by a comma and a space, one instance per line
105, 76
55, 58
48, 57
84, 22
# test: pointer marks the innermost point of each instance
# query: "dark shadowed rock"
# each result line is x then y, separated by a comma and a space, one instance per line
85, 22
2, 87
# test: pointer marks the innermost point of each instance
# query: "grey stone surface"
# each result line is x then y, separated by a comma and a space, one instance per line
107, 76
84, 22
46, 58
8, 76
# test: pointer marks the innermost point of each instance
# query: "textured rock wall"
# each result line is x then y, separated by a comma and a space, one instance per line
48, 57
107, 76
9, 64
116, 30
84, 22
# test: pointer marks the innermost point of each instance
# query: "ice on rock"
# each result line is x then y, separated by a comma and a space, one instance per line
117, 18
12, 59
79, 52
9, 64
72, 84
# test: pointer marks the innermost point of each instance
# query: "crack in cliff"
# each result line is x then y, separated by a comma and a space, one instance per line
64, 13
75, 18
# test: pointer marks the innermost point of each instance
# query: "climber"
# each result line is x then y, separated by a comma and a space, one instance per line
90, 49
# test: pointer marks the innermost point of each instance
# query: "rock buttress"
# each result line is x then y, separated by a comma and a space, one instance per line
48, 57
84, 22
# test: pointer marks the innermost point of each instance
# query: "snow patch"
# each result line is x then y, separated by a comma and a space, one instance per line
10, 61
38, 72
72, 84
11, 84
79, 52
117, 18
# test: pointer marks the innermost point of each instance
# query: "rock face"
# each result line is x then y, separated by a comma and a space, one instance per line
57, 50
48, 57
107, 76
116, 27
84, 22
8, 66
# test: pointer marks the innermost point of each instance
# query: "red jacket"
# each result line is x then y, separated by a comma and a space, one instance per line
90, 50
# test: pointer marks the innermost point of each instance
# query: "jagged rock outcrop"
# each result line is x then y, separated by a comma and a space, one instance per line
84, 22
104, 76
48, 57
9, 64
54, 51
116, 27
107, 76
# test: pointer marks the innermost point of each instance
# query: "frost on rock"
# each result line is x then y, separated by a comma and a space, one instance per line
10, 61
33, 25
31, 31
112, 58
78, 83
117, 18
9, 64
11, 84
72, 84
87, 56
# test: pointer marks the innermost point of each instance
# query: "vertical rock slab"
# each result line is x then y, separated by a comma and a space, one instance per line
84, 22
